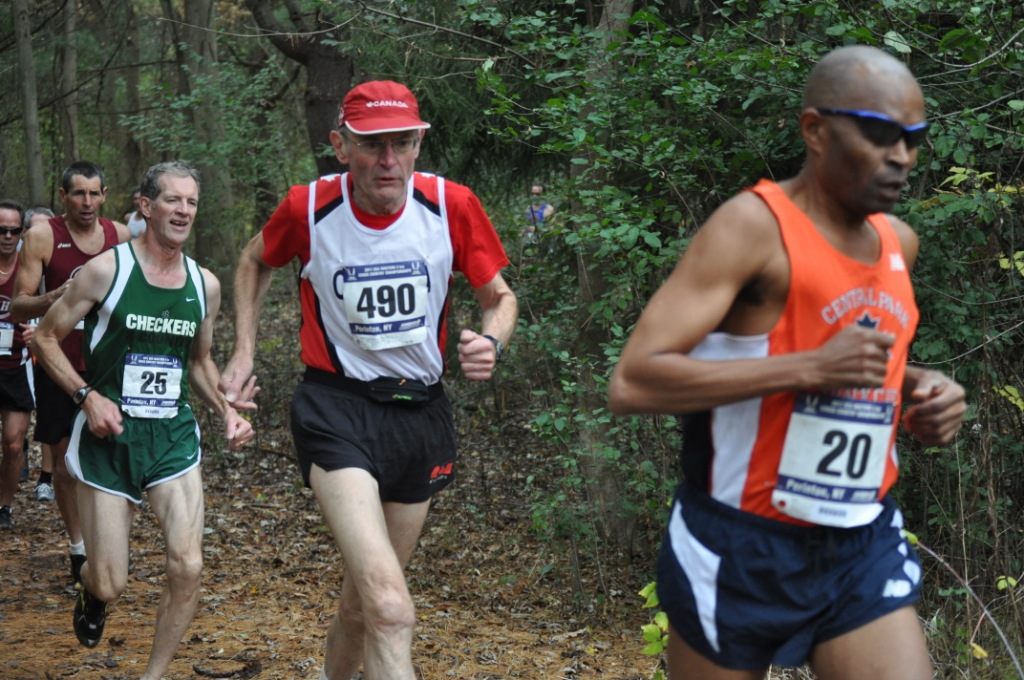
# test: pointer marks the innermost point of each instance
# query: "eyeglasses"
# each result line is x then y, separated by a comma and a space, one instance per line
11, 231
376, 147
880, 129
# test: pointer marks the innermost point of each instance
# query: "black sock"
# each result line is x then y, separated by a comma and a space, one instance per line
45, 477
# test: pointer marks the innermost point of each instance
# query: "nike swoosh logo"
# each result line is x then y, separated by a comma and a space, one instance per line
188, 299
194, 454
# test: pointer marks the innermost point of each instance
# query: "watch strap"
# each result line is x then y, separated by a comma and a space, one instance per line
499, 349
80, 394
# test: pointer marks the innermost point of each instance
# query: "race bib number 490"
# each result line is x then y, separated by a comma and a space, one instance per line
833, 460
386, 303
151, 386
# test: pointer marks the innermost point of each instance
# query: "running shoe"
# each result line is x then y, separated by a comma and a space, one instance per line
89, 619
44, 492
6, 517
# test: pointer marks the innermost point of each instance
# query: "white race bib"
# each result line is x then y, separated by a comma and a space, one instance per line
833, 460
386, 303
6, 338
151, 386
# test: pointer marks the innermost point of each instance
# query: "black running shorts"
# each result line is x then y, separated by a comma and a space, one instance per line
55, 411
17, 392
410, 451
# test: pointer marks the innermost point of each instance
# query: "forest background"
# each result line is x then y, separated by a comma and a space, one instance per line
640, 117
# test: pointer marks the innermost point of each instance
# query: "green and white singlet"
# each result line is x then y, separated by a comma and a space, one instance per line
137, 346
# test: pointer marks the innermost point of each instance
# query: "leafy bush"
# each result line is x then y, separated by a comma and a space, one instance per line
658, 121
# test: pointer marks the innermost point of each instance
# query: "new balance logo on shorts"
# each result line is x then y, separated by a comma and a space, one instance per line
896, 588
441, 472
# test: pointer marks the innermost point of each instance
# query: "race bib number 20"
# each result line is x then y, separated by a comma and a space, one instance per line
833, 460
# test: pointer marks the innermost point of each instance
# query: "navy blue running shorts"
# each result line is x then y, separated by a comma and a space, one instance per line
17, 388
410, 451
746, 591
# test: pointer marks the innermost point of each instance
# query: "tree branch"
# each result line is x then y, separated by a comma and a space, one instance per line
442, 29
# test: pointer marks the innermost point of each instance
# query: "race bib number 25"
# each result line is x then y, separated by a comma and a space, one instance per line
151, 386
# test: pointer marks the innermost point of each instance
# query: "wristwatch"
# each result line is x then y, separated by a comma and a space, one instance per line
499, 349
80, 394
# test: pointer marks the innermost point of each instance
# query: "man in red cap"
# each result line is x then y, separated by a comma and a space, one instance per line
373, 429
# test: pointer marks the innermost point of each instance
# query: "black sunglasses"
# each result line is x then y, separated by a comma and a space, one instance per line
11, 231
880, 129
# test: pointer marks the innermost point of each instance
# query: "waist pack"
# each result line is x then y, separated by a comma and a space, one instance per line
403, 391
383, 390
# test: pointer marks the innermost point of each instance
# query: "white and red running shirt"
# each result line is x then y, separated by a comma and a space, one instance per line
375, 289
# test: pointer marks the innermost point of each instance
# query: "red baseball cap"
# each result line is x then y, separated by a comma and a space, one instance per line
380, 106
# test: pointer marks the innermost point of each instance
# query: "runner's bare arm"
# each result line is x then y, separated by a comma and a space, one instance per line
123, 232
735, 248
84, 292
500, 309
28, 304
204, 376
252, 280
936, 405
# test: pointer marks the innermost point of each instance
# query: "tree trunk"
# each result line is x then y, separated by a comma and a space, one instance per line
29, 105
129, 170
604, 477
329, 72
214, 245
67, 103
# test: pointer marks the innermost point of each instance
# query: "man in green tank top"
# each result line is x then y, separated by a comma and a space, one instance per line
149, 313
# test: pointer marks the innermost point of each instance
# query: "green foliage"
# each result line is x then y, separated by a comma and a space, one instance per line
252, 132
1012, 394
641, 131
655, 634
656, 124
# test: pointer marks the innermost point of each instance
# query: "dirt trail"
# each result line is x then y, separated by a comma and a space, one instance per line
492, 602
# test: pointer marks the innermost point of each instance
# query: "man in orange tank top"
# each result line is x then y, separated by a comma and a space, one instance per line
790, 364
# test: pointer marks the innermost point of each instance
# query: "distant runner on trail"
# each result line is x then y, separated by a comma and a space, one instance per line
373, 428
537, 214
783, 334
149, 313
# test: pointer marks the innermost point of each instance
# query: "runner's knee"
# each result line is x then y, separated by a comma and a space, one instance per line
184, 569
388, 609
106, 581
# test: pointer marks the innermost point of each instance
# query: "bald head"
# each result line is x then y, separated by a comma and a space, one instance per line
848, 76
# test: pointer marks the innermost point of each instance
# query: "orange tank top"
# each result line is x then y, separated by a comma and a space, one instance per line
816, 457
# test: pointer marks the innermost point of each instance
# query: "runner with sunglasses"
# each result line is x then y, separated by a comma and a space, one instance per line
17, 400
790, 363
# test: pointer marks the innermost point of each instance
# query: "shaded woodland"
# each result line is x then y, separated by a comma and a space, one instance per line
640, 117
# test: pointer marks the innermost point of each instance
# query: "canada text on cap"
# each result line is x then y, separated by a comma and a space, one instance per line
380, 106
